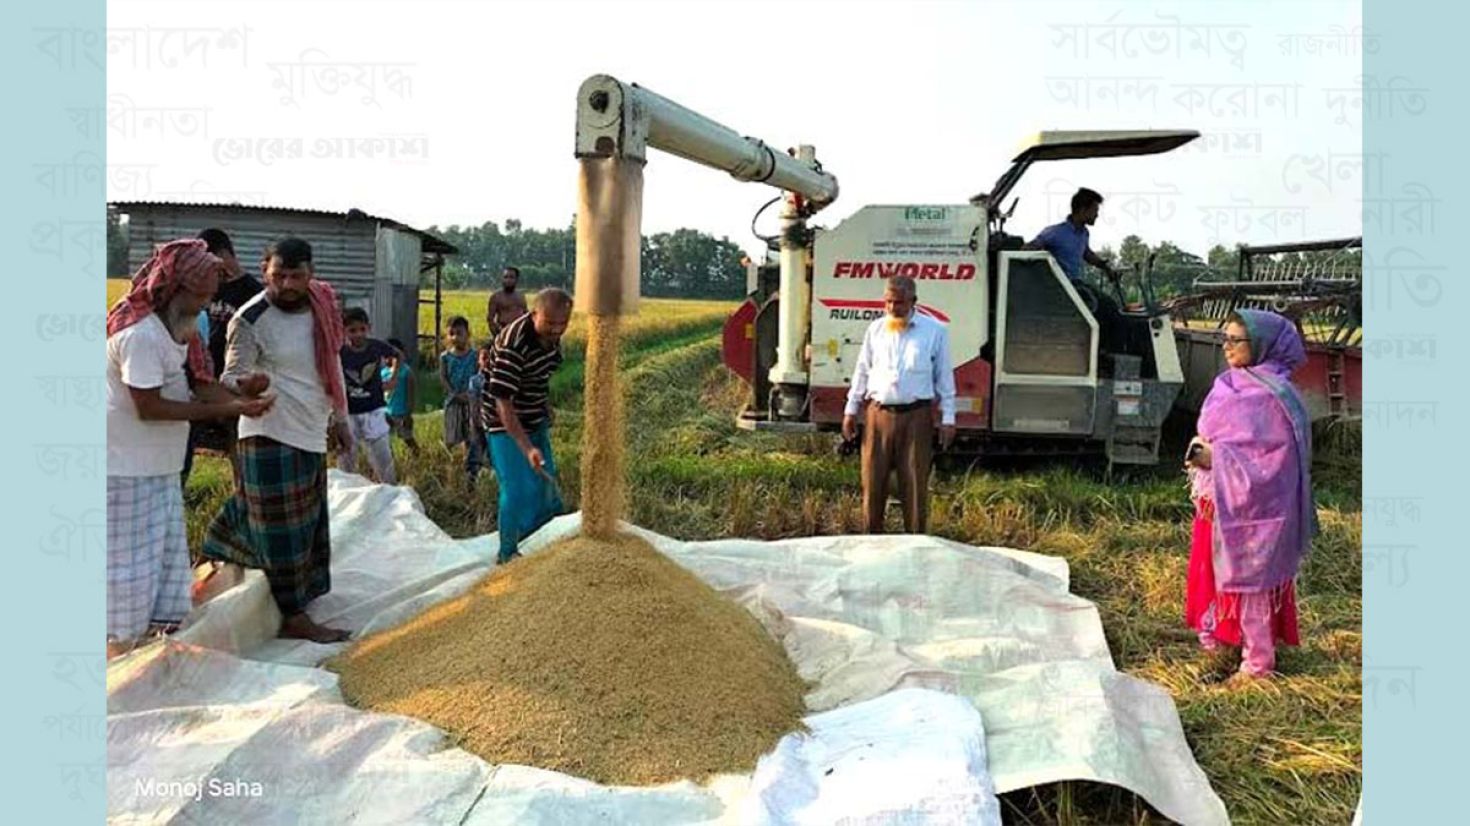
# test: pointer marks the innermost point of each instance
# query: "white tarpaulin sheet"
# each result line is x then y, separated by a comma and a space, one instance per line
910, 756
228, 724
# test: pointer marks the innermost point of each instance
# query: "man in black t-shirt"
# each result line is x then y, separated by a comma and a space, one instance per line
367, 411
235, 288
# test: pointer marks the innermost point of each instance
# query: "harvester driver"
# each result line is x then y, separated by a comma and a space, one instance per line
1069, 242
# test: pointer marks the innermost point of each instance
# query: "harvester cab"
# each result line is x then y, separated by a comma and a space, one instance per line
1039, 365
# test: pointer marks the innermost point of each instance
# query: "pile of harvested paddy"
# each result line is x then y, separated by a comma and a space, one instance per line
604, 660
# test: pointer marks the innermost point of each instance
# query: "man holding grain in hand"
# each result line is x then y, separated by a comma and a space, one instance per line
153, 350
277, 521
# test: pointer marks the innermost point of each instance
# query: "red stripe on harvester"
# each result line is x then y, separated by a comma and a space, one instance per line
867, 304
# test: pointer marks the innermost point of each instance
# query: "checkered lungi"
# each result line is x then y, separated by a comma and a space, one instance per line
277, 521
148, 571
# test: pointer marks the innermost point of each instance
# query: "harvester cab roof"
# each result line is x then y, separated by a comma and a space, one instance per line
1064, 145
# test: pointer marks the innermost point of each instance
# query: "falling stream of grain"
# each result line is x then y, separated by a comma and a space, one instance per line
603, 484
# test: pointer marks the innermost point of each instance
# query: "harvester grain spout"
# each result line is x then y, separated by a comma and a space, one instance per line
616, 123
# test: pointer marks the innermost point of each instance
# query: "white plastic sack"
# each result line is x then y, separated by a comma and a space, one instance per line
860, 616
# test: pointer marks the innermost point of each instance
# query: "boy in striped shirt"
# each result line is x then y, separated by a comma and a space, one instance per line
516, 413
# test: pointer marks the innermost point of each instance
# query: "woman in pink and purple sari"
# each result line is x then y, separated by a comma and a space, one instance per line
1250, 474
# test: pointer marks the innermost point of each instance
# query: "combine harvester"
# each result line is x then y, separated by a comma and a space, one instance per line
1035, 371
1324, 296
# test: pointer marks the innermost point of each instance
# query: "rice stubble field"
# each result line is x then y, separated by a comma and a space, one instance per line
1287, 750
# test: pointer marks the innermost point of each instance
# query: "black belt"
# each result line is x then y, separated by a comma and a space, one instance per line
906, 408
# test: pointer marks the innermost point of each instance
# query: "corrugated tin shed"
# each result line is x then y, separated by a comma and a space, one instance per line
373, 262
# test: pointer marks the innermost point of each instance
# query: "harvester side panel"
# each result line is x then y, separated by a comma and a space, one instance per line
943, 248
737, 341
1046, 351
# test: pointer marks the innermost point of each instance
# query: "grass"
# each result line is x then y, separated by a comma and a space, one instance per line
1289, 751
655, 314
1285, 752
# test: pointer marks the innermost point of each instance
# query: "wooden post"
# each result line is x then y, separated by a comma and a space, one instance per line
438, 302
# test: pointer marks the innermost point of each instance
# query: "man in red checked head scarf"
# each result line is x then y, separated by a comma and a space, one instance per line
277, 521
151, 337
175, 266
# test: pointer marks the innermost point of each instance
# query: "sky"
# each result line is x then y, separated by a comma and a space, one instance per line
468, 108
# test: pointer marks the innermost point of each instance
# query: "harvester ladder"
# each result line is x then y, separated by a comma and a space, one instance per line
1336, 391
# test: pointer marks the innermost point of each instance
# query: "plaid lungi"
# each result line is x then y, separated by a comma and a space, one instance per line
148, 572
277, 521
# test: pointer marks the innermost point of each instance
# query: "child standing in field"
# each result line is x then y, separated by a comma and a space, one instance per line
363, 360
398, 384
456, 366
478, 456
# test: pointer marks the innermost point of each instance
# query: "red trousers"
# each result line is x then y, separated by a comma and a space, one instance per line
1254, 621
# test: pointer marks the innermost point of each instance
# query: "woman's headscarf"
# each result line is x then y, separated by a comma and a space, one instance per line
184, 264
1260, 480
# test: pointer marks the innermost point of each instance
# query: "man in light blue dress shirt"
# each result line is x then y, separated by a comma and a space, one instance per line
902, 370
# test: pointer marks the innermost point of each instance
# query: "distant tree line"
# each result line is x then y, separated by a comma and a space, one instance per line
117, 247
685, 263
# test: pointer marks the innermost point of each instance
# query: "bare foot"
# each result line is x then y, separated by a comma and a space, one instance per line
302, 627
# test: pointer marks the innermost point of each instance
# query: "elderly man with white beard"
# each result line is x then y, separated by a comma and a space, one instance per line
152, 339
902, 370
